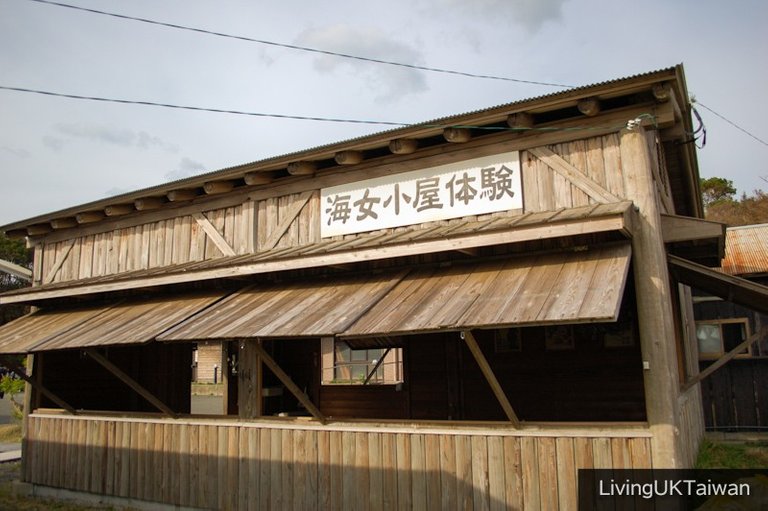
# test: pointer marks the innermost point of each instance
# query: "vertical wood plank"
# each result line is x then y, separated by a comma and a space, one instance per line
349, 474
231, 474
375, 474
193, 455
567, 475
480, 482
464, 488
251, 488
310, 461
337, 471
601, 452
404, 493
548, 487
530, 183
513, 473
496, 469
418, 472
222, 466
275, 484
299, 483
432, 471
448, 481
530, 461
389, 471
287, 468
265, 468
324, 470
614, 172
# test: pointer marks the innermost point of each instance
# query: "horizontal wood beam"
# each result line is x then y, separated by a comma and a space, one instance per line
21, 372
302, 168
64, 223
16, 270
119, 209
457, 135
617, 222
148, 203
133, 384
681, 228
485, 367
288, 382
181, 195
403, 146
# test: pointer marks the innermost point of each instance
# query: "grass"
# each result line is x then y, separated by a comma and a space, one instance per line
732, 455
10, 433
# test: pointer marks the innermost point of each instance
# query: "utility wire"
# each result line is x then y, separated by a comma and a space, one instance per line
702, 105
300, 48
629, 123
199, 109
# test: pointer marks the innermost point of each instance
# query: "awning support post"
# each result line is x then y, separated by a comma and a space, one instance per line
485, 367
16, 368
133, 384
376, 367
723, 360
288, 382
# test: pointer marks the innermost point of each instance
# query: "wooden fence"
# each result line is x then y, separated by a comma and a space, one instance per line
229, 465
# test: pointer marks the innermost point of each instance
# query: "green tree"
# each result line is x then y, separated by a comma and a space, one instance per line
717, 189
16, 252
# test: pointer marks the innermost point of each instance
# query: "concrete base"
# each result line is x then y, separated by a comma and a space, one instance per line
47, 492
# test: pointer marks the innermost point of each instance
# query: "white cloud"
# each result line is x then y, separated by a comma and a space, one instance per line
389, 82
186, 168
531, 14
19, 153
110, 135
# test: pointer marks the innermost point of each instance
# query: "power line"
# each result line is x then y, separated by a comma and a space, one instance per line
730, 122
300, 48
314, 118
199, 109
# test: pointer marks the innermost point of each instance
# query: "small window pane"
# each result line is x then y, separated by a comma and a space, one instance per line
733, 335
709, 339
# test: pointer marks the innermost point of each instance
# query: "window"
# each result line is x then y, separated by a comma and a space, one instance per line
347, 365
719, 337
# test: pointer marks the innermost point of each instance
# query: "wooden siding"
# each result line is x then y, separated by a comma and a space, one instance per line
228, 465
163, 243
583, 172
691, 423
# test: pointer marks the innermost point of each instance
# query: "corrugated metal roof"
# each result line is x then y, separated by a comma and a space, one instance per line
746, 250
129, 322
376, 139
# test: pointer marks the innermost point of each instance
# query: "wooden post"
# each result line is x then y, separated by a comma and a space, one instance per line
249, 377
654, 304
485, 367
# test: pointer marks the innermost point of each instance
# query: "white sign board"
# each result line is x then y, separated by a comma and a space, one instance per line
471, 187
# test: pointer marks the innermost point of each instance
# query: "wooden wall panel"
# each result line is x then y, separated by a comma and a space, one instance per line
229, 465
163, 243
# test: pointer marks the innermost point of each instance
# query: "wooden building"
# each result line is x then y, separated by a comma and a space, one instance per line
512, 280
736, 395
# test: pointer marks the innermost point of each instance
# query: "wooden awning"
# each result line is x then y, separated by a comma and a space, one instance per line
461, 235
120, 323
728, 287
564, 287
300, 309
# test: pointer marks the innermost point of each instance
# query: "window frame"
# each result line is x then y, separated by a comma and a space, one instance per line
719, 323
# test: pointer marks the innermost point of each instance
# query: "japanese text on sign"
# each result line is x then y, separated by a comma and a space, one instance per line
472, 187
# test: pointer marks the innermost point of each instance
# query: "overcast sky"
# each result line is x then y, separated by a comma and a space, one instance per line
56, 153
